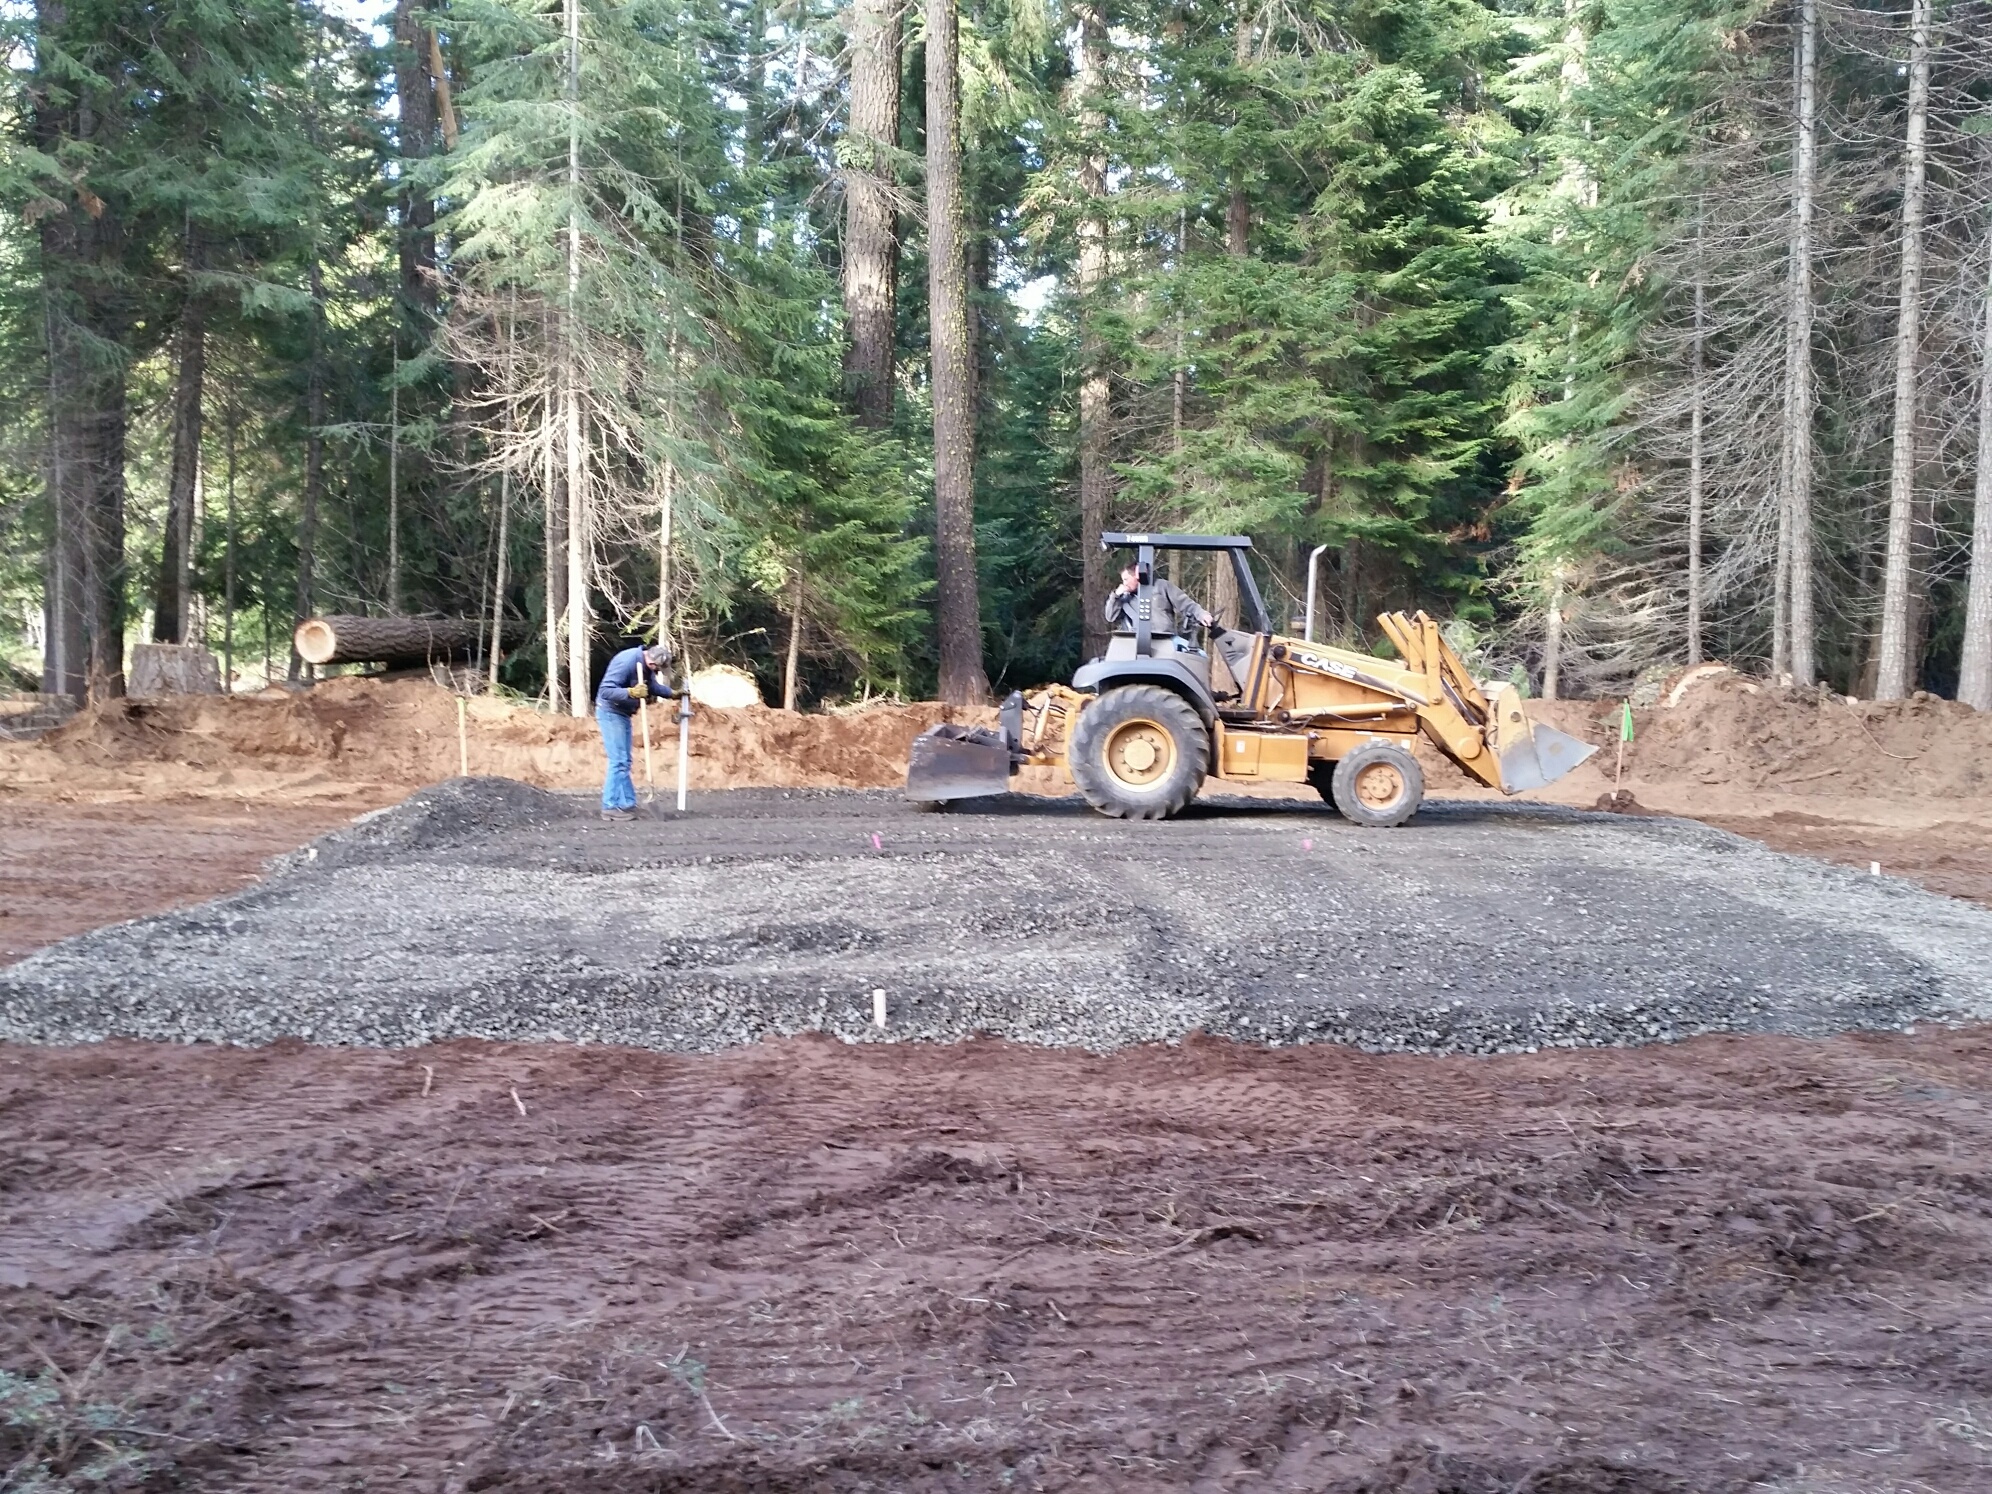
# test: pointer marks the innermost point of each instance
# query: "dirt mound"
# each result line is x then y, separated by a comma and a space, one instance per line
404, 733
1726, 729
1726, 734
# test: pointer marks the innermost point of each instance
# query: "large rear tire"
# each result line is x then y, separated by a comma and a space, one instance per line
1321, 778
1378, 785
1139, 752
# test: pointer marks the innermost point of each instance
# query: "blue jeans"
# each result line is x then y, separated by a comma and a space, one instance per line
617, 790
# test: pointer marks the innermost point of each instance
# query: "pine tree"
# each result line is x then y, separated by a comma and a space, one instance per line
958, 613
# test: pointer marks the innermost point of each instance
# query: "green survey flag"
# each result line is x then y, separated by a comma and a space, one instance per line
1625, 722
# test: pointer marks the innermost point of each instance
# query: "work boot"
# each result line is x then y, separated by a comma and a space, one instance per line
618, 814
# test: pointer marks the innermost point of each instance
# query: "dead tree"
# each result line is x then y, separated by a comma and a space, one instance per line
1793, 626
1974, 686
1897, 654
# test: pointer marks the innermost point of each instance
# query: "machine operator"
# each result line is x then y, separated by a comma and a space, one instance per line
1172, 606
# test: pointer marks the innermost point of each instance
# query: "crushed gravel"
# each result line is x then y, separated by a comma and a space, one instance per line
486, 908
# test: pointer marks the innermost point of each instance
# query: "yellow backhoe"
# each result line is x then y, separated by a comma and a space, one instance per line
1143, 726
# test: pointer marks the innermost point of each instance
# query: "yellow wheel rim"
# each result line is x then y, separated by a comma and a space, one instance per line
1380, 785
1140, 753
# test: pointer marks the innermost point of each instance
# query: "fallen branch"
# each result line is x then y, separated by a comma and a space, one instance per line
1202, 1237
1861, 721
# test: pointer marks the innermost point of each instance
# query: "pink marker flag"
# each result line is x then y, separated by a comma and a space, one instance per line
877, 844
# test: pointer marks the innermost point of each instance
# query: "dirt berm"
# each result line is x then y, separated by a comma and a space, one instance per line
355, 732
1727, 745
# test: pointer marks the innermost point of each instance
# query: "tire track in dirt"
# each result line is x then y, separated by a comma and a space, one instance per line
1727, 1264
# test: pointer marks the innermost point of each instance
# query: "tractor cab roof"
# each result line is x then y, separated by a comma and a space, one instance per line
1114, 540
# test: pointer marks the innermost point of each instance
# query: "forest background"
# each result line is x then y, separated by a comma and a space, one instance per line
825, 339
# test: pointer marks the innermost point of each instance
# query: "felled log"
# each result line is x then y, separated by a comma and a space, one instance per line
394, 641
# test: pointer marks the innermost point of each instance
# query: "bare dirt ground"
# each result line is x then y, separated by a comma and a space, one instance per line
65, 868
1950, 856
1722, 1266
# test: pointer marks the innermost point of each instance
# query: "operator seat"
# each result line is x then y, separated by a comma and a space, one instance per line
1169, 646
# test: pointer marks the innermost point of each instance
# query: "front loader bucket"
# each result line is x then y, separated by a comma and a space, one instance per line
957, 762
1530, 754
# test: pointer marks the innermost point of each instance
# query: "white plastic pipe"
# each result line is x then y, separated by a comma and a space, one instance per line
684, 743
1313, 568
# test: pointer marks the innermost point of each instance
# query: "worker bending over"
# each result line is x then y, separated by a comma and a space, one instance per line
1172, 605
630, 679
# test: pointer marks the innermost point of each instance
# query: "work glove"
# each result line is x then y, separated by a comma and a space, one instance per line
639, 688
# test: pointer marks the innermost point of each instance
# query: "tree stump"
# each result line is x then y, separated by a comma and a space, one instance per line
172, 669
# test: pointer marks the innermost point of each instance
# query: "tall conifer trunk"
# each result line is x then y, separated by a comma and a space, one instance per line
1895, 674
1237, 212
792, 665
579, 538
170, 592
1796, 629
415, 96
1974, 685
104, 420
871, 236
65, 647
1696, 418
957, 602
554, 570
314, 394
1096, 480
1552, 642
82, 246
314, 457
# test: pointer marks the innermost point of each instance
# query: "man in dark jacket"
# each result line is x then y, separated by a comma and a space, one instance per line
631, 678
1173, 606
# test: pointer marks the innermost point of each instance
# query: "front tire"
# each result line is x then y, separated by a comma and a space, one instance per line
1378, 785
1139, 752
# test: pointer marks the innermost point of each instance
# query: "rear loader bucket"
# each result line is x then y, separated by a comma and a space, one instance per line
957, 762
1542, 756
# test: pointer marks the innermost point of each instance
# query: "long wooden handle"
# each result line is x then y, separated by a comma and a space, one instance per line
643, 715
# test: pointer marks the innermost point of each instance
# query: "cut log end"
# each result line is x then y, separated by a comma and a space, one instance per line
316, 641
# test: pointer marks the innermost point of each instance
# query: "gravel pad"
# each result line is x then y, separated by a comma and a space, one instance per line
484, 908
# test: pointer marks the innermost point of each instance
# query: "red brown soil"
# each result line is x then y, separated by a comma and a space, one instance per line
1728, 1265
1729, 746
1953, 857
65, 868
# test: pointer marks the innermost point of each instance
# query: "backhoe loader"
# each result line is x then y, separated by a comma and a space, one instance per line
1144, 725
